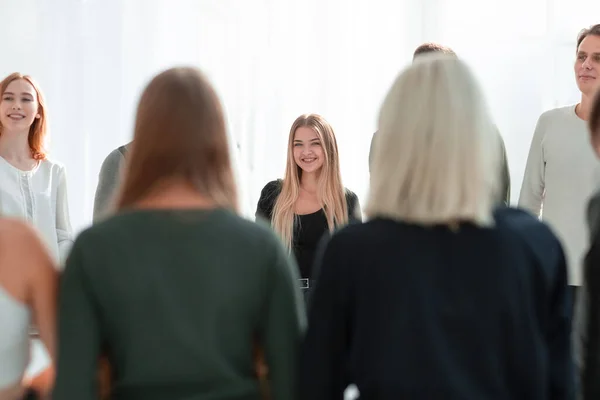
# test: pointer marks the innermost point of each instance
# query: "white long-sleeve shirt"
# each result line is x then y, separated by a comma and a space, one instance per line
39, 197
561, 175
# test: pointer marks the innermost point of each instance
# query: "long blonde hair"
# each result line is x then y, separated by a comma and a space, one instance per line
331, 192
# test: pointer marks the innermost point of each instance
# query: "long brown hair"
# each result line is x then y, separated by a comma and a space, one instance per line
180, 133
331, 192
39, 127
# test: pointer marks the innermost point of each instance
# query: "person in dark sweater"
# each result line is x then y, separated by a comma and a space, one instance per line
435, 48
178, 294
441, 294
310, 201
587, 322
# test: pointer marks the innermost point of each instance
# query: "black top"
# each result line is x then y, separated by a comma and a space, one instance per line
308, 228
178, 300
408, 312
587, 323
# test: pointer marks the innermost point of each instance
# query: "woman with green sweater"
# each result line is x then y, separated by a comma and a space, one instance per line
176, 290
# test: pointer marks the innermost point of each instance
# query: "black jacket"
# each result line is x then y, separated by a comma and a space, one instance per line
587, 318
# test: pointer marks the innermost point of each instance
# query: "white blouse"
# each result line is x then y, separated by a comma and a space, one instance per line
39, 197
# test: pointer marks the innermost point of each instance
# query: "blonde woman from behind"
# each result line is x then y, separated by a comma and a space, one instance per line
439, 295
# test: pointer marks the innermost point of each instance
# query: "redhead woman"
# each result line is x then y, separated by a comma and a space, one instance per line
34, 188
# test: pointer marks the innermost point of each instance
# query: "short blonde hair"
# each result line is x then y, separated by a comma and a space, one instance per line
437, 155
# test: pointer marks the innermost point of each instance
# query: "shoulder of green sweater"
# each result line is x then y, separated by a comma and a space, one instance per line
257, 234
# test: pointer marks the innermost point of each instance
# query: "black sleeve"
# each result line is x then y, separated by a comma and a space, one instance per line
266, 202
555, 302
593, 215
325, 344
561, 366
354, 211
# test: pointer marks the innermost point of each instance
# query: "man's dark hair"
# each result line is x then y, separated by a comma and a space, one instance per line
429, 47
594, 121
593, 30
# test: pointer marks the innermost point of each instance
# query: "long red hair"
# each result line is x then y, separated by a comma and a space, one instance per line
39, 127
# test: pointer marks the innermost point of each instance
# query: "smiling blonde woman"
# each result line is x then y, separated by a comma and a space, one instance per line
310, 201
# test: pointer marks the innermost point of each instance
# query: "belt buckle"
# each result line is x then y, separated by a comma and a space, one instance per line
304, 283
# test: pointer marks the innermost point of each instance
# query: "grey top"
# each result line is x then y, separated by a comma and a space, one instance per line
108, 181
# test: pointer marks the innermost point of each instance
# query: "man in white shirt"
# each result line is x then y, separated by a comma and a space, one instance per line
562, 171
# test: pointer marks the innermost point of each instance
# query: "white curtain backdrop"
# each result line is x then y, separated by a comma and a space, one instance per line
272, 60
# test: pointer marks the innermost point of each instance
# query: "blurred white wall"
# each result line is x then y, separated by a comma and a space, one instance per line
272, 60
